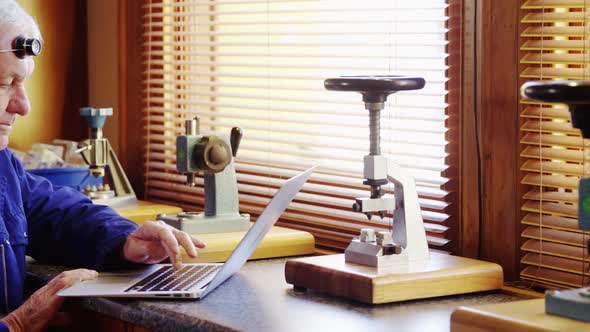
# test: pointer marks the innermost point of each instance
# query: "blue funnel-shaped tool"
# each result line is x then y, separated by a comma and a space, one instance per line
95, 117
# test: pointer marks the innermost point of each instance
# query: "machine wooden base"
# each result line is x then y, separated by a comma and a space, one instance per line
528, 315
442, 275
143, 211
279, 242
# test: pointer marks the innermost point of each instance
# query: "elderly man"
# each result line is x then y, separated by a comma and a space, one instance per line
55, 224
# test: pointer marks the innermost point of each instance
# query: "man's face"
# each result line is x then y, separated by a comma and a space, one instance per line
13, 74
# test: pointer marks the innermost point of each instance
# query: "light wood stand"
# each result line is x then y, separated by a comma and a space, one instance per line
279, 242
441, 275
143, 211
527, 315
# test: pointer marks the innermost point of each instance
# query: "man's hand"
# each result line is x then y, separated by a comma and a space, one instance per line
42, 306
155, 240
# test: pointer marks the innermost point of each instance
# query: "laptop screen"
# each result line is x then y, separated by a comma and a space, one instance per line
267, 218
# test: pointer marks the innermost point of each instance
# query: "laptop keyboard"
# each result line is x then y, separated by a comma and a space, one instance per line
169, 279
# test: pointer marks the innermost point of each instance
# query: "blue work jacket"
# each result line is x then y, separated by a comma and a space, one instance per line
51, 224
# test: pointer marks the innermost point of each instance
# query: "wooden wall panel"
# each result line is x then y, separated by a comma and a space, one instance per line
496, 119
104, 56
58, 87
131, 97
115, 78
469, 190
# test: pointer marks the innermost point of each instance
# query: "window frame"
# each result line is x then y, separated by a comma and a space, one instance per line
483, 26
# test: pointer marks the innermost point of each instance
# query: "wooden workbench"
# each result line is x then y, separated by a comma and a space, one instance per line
257, 298
524, 316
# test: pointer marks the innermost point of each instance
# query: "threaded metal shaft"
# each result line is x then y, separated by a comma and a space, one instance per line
374, 127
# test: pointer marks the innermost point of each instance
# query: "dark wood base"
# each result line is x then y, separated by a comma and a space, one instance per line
442, 275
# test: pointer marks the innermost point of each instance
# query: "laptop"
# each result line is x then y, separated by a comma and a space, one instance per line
194, 280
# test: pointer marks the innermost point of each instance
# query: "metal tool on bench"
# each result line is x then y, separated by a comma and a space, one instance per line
102, 161
573, 303
407, 239
212, 155
393, 265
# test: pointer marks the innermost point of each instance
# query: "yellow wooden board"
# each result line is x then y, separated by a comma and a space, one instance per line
525, 316
143, 211
279, 242
442, 275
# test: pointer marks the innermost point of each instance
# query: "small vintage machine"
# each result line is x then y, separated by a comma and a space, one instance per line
212, 155
393, 265
573, 303
408, 242
102, 161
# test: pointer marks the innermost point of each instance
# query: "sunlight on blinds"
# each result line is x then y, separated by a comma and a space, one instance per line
554, 40
260, 65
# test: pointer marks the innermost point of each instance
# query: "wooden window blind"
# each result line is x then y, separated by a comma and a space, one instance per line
260, 65
554, 45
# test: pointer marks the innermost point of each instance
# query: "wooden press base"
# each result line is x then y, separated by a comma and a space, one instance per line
142, 211
527, 315
279, 242
442, 275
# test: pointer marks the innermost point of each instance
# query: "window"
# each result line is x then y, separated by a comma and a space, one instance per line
260, 65
553, 46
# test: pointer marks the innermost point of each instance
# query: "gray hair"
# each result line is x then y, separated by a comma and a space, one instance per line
12, 13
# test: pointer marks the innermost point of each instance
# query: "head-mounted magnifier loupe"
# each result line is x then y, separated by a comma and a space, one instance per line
22, 46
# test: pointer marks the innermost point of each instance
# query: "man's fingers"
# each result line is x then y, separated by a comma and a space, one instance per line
198, 243
169, 242
186, 242
150, 230
41, 306
175, 259
68, 278
162, 239
80, 274
64, 280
